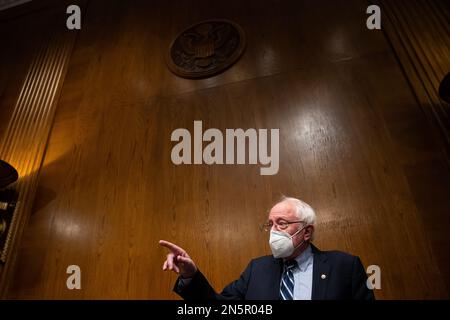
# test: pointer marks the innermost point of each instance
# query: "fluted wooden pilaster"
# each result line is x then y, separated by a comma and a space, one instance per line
420, 35
25, 139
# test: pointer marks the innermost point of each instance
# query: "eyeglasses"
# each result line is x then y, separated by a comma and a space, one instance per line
282, 225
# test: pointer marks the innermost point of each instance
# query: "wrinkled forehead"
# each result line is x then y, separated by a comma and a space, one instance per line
283, 210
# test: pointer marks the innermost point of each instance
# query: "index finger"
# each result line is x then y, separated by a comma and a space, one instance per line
169, 245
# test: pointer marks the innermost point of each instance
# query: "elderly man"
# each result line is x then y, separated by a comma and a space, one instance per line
297, 270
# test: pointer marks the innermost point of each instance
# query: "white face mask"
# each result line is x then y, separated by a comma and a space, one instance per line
281, 243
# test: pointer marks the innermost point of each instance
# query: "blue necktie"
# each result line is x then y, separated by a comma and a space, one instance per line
287, 281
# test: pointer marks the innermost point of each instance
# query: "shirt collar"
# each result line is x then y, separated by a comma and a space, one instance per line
305, 258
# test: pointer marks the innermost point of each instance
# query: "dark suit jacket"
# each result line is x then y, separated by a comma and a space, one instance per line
345, 278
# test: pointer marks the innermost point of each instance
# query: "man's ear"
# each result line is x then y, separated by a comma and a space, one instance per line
309, 230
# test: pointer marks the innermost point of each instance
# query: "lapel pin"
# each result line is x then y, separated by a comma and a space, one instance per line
323, 276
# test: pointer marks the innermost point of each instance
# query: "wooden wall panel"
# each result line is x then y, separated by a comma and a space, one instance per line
353, 143
30, 119
419, 33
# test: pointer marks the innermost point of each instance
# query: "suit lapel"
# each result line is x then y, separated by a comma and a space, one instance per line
321, 273
274, 292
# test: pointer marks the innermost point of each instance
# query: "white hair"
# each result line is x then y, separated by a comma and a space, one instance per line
302, 209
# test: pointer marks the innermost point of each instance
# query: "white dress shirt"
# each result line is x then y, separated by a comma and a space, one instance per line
303, 275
